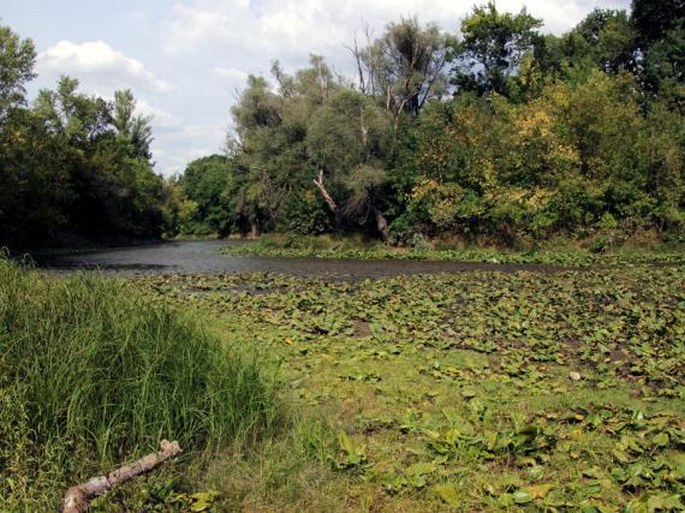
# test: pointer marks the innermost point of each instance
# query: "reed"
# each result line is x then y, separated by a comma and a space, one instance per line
92, 373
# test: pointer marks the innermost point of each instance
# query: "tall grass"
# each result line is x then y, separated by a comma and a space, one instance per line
92, 373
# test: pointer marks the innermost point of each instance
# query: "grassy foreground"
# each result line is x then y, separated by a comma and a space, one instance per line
459, 392
93, 375
352, 247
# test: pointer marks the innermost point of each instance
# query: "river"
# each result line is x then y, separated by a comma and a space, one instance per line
190, 257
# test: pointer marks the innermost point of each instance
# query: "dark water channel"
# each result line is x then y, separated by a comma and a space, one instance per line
189, 257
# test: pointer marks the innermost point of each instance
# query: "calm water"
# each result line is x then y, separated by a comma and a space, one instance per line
203, 257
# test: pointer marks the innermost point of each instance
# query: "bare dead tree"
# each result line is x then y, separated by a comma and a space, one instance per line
330, 202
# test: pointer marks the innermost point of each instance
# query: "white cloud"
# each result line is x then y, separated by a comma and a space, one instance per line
160, 118
173, 149
233, 74
277, 28
96, 59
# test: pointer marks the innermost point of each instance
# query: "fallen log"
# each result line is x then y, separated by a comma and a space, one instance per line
77, 498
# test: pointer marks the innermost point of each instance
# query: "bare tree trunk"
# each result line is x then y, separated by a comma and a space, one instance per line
360, 69
381, 223
254, 229
77, 498
364, 130
332, 205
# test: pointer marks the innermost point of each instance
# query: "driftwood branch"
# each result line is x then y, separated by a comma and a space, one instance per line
77, 498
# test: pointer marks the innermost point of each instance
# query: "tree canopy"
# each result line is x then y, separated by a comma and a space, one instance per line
496, 133
73, 166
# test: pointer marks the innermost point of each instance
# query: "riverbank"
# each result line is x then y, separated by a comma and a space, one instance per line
567, 254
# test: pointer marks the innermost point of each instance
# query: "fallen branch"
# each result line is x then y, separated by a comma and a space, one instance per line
332, 205
77, 498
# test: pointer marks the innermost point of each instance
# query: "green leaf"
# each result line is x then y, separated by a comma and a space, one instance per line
661, 440
419, 469
346, 443
522, 496
539, 491
448, 493
468, 392
620, 456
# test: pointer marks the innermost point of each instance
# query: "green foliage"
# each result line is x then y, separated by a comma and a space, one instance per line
417, 247
306, 215
491, 48
604, 39
17, 57
404, 67
75, 166
543, 136
92, 374
210, 183
133, 129
486, 391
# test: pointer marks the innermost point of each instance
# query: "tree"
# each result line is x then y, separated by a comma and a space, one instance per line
17, 57
660, 28
116, 192
134, 129
654, 18
269, 146
348, 140
404, 67
210, 183
491, 49
605, 38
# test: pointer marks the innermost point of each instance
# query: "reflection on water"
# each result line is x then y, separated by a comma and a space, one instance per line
203, 257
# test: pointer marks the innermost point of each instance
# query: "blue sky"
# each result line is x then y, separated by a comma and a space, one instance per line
186, 61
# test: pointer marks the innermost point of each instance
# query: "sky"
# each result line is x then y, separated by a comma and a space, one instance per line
186, 62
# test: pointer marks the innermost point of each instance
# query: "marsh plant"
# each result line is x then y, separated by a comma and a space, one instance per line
92, 374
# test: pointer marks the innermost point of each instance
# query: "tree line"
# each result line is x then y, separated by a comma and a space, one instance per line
497, 133
74, 168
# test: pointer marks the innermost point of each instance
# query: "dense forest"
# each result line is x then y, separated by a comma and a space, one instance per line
73, 168
499, 133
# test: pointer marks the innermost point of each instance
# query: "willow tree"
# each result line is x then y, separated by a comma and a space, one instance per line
348, 140
271, 129
404, 67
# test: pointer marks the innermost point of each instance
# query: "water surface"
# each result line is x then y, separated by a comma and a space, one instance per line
189, 257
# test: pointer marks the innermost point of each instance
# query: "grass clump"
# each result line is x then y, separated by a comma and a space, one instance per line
93, 374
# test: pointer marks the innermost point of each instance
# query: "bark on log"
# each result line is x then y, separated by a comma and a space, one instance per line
77, 498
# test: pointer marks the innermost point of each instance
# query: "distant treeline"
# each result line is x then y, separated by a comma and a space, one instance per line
498, 133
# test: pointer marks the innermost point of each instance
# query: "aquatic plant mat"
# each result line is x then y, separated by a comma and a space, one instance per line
469, 392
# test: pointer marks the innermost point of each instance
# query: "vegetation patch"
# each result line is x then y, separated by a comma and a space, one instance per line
468, 392
93, 374
325, 246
